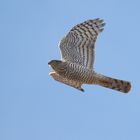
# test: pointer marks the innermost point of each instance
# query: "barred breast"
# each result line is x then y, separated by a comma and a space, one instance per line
79, 73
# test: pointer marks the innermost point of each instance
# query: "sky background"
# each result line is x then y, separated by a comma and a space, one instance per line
35, 107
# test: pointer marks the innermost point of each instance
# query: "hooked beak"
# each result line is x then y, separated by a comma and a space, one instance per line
49, 63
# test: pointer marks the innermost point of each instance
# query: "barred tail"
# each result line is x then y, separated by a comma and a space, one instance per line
112, 83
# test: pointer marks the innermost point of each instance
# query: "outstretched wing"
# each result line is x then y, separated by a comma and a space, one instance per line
78, 45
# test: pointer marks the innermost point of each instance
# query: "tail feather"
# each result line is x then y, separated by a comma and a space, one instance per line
112, 83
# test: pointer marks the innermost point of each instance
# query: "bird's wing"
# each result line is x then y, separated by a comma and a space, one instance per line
66, 81
78, 45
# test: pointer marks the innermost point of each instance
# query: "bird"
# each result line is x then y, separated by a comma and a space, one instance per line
77, 49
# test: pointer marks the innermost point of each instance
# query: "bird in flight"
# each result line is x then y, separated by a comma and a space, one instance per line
77, 58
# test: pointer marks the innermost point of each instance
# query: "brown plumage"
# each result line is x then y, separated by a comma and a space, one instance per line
76, 67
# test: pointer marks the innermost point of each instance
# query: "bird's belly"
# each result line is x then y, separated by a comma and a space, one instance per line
80, 74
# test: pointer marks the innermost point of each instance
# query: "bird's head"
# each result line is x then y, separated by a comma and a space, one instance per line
56, 65
54, 62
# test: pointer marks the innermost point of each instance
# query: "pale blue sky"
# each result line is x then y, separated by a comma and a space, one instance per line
35, 107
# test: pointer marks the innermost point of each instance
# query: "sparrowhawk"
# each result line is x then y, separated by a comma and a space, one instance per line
77, 58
